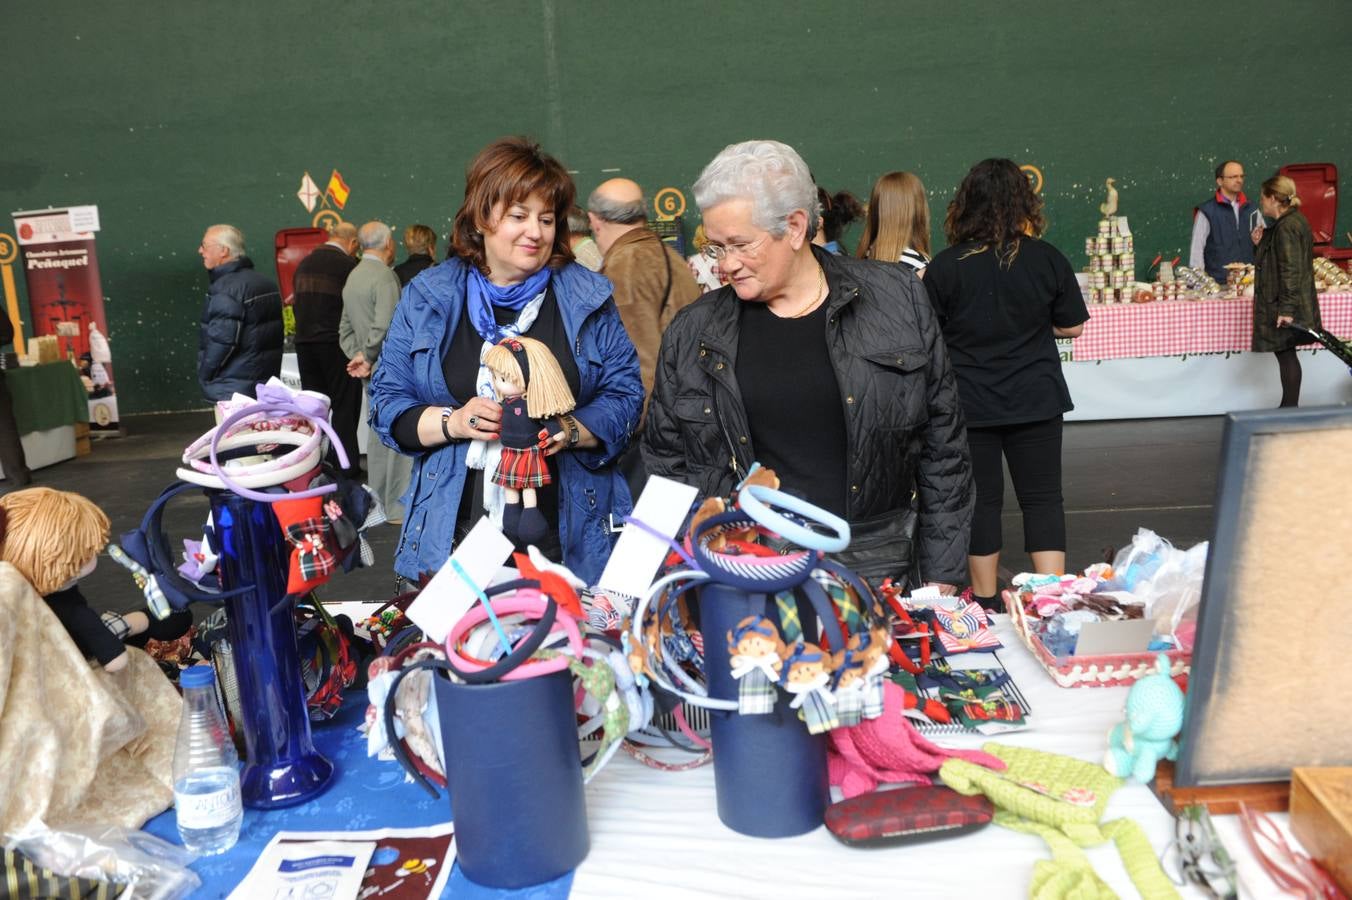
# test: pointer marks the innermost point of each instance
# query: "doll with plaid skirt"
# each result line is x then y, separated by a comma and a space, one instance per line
755, 654
531, 388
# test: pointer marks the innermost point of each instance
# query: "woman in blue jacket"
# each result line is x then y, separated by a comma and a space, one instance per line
511, 274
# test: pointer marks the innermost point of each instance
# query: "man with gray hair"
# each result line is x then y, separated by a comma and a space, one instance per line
369, 298
240, 341
652, 282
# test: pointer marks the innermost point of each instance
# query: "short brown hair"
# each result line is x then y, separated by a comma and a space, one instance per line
420, 239
508, 171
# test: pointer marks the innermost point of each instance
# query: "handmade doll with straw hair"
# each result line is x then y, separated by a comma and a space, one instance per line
531, 388
53, 538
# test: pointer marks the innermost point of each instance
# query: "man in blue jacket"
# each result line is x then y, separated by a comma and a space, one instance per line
1221, 227
240, 344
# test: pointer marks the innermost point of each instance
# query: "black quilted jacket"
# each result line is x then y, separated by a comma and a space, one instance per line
909, 479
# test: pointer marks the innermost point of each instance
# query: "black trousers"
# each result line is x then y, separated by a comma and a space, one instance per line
323, 368
12, 459
1033, 451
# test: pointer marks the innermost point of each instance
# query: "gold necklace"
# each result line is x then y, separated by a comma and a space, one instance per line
819, 297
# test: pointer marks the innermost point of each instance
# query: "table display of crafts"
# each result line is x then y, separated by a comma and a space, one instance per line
945, 657
1150, 581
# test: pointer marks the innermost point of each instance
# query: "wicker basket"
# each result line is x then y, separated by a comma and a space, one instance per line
1112, 670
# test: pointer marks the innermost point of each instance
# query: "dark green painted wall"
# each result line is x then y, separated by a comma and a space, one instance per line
174, 115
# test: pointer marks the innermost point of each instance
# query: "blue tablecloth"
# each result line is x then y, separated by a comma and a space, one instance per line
365, 794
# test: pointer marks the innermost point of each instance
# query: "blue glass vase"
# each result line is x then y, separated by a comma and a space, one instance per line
282, 767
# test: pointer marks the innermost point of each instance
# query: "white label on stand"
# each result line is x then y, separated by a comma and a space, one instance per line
207, 810
638, 554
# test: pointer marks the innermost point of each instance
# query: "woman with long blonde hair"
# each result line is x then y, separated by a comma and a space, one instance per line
1283, 282
897, 228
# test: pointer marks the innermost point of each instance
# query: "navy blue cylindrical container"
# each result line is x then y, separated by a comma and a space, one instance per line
769, 773
282, 767
514, 773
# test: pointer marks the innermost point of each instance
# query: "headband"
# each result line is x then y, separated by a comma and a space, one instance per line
519, 354
655, 668
276, 399
756, 574
527, 601
522, 651
258, 470
760, 502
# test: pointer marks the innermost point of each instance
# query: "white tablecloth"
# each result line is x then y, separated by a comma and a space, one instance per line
657, 834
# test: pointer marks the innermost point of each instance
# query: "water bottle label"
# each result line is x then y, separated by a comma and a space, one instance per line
207, 810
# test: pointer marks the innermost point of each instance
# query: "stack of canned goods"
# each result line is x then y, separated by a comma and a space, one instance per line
1112, 262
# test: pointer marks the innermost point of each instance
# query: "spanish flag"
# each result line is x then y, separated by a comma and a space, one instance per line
337, 190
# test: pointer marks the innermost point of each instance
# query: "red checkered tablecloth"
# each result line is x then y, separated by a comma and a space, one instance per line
1182, 327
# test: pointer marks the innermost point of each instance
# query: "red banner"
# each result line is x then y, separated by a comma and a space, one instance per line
65, 297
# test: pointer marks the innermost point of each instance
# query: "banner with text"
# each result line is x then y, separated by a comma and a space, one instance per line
65, 298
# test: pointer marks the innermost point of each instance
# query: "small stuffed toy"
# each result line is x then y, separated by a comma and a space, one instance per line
54, 539
807, 676
1154, 717
755, 653
531, 387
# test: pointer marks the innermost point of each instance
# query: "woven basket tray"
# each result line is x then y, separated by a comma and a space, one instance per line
1112, 670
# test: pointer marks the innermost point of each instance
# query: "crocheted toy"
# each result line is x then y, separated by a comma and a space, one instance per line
1061, 799
889, 749
531, 387
1154, 717
54, 539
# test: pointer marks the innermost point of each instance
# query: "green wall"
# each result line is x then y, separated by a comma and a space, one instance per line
174, 115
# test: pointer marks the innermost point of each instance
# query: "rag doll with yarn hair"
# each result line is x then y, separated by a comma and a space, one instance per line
53, 538
531, 388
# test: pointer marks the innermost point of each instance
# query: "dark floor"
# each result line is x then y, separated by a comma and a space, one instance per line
1119, 476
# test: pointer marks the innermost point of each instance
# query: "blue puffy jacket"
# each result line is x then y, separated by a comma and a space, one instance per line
239, 345
591, 488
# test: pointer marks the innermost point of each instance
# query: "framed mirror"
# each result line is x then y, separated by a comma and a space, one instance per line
1272, 663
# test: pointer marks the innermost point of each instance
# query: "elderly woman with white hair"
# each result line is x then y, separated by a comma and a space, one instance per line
827, 369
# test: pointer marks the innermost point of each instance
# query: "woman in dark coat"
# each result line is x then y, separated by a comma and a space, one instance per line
1283, 282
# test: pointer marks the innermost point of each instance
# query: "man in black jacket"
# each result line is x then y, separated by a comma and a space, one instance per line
319, 308
240, 344
12, 459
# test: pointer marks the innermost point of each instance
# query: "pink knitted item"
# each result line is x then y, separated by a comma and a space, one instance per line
889, 749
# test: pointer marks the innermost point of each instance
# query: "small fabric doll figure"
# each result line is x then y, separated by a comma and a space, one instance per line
871, 649
54, 538
531, 387
807, 675
756, 656
849, 687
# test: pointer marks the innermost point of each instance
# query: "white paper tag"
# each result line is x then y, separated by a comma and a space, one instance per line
447, 597
317, 869
638, 554
83, 218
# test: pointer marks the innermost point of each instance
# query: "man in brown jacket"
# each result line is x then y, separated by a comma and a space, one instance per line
652, 282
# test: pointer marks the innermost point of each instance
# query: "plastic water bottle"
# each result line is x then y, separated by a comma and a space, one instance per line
206, 769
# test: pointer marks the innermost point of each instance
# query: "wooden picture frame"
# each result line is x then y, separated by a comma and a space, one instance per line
1271, 680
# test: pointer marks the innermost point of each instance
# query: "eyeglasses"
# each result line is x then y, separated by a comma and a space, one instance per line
742, 250
1200, 856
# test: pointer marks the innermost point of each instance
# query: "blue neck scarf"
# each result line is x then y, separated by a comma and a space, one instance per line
483, 296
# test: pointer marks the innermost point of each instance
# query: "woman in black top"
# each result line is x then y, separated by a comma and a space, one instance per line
828, 369
1003, 296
